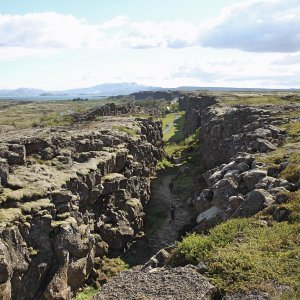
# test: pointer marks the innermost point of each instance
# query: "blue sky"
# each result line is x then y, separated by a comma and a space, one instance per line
69, 43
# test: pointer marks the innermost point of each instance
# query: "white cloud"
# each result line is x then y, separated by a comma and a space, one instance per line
10, 53
256, 26
53, 30
291, 59
196, 71
252, 26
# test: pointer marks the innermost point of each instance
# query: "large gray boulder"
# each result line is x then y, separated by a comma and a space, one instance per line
224, 189
255, 201
252, 177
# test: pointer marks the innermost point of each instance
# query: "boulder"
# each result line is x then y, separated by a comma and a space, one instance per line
281, 214
222, 190
16, 154
203, 201
242, 167
4, 171
263, 145
252, 177
234, 202
209, 214
255, 201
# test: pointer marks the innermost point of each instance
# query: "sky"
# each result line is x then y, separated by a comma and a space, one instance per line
61, 44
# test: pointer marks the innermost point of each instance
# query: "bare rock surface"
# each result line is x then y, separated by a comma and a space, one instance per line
159, 284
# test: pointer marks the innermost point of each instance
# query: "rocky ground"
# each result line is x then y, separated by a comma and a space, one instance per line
69, 196
177, 283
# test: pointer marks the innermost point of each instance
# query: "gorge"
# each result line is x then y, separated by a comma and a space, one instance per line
72, 195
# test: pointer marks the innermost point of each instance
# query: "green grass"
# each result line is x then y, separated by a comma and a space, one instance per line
243, 254
179, 147
112, 266
178, 129
291, 173
164, 164
52, 113
175, 132
129, 131
293, 129
271, 99
86, 294
293, 205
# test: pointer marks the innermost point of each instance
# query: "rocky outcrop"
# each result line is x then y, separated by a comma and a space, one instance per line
240, 188
157, 95
230, 136
227, 130
69, 196
193, 107
109, 109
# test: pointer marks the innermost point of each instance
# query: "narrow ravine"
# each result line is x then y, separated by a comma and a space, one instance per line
160, 230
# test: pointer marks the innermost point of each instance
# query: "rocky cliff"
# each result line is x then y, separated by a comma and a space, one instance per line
68, 196
193, 107
231, 139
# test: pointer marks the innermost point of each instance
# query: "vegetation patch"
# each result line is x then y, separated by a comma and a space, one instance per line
291, 173
293, 129
173, 127
164, 164
244, 254
86, 294
259, 99
293, 205
112, 266
129, 131
8, 215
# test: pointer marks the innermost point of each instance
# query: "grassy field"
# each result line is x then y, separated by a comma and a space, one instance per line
52, 113
271, 98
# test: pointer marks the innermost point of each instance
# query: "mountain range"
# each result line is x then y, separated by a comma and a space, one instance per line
114, 89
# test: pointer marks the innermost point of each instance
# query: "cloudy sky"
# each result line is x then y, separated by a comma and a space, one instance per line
59, 44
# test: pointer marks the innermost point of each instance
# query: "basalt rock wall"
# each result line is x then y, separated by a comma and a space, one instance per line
227, 130
68, 197
237, 185
193, 107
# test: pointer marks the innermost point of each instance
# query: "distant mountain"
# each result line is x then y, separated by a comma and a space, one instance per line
112, 89
24, 92
106, 89
115, 89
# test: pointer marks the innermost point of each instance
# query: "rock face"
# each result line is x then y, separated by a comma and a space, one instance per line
237, 185
193, 107
160, 284
68, 196
157, 95
225, 131
109, 109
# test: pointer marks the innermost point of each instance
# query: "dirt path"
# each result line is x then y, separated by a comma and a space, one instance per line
160, 229
167, 233
170, 124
